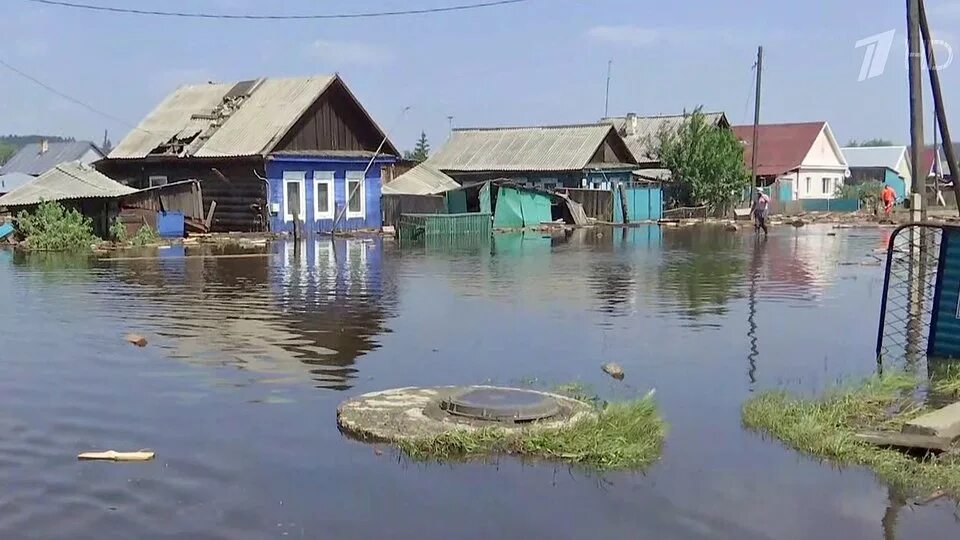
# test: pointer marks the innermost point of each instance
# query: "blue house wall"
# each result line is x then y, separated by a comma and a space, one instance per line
894, 180
277, 165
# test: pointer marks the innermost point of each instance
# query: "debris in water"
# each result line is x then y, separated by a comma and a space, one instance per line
614, 370
378, 452
798, 223
136, 339
113, 455
732, 227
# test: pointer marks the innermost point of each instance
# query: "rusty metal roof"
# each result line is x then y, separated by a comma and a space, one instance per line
220, 120
66, 181
544, 148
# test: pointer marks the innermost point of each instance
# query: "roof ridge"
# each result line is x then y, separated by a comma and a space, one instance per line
558, 126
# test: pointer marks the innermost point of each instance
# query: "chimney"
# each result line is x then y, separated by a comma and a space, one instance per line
632, 124
44, 146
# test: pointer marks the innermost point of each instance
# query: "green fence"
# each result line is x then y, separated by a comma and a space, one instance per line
420, 227
830, 205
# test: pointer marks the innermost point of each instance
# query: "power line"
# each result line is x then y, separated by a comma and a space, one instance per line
200, 15
67, 97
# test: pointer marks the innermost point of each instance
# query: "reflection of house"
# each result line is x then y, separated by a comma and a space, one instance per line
885, 164
806, 154
547, 157
309, 137
75, 186
37, 158
641, 132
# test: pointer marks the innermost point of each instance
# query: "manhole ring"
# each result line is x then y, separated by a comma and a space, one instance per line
501, 404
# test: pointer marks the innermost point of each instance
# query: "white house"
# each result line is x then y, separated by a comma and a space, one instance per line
804, 157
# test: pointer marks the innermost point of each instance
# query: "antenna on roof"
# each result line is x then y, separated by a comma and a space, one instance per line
606, 101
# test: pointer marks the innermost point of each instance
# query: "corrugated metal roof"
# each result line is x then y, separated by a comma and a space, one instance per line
66, 181
874, 156
10, 182
640, 132
423, 179
30, 160
546, 148
780, 147
251, 129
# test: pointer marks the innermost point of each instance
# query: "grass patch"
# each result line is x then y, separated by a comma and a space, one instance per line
51, 227
627, 435
827, 428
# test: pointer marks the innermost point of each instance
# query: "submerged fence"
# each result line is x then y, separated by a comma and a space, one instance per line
913, 293
420, 227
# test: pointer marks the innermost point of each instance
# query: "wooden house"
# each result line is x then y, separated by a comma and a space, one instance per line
267, 151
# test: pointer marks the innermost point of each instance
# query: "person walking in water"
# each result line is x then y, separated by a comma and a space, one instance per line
889, 197
761, 205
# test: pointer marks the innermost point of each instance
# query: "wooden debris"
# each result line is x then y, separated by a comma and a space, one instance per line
936, 495
943, 423
614, 370
136, 339
113, 455
732, 227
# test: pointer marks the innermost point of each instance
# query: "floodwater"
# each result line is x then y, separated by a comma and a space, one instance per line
250, 355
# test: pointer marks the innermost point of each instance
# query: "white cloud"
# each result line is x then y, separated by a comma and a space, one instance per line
626, 34
346, 52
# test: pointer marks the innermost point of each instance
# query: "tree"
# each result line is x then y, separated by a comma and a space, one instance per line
705, 162
870, 142
421, 151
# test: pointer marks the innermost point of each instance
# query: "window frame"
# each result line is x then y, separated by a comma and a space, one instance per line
325, 178
355, 176
294, 177
161, 180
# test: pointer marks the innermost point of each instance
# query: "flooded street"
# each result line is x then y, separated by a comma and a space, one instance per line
250, 354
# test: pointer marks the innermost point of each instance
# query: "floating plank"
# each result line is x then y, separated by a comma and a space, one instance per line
943, 423
905, 440
113, 455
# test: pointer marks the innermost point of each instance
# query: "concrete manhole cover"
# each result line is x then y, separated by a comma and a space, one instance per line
413, 413
501, 404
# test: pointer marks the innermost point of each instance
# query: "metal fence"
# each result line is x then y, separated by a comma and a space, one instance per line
910, 279
418, 227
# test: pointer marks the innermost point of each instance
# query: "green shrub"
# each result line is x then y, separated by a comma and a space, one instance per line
51, 227
145, 236
118, 231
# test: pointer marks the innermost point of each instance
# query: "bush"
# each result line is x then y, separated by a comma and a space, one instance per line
868, 193
118, 231
51, 227
145, 236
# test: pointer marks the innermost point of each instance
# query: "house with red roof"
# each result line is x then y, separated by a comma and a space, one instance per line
805, 156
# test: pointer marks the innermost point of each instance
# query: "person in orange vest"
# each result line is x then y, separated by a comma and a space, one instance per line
889, 197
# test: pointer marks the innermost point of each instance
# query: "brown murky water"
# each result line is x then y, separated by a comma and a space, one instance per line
249, 356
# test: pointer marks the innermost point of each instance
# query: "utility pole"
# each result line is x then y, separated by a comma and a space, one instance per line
756, 119
916, 107
606, 102
938, 106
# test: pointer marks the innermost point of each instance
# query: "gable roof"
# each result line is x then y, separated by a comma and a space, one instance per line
10, 182
423, 179
29, 160
639, 131
245, 118
541, 148
780, 147
889, 157
66, 181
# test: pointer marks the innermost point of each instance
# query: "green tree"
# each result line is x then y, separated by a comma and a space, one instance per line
705, 162
870, 142
421, 151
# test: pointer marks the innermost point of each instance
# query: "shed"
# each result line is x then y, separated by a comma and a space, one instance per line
545, 157
885, 164
75, 185
267, 151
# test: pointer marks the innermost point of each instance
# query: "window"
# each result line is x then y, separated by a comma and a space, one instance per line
294, 199
323, 195
356, 193
826, 185
809, 184
158, 181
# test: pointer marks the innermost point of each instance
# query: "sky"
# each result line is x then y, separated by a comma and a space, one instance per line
536, 62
